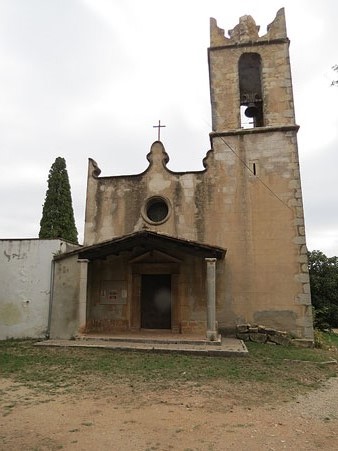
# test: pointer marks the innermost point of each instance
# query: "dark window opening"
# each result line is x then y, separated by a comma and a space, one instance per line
157, 209
250, 87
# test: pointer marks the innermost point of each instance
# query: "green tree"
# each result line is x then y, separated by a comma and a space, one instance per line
324, 289
57, 215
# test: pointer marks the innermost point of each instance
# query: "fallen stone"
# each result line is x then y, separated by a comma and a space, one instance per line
244, 337
261, 329
270, 331
253, 330
281, 332
242, 328
279, 340
258, 338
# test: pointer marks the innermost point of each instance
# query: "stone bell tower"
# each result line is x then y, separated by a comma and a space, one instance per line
253, 72
254, 134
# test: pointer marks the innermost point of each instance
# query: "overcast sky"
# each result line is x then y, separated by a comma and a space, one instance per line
90, 78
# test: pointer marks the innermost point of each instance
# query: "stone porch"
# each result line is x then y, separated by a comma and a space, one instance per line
157, 343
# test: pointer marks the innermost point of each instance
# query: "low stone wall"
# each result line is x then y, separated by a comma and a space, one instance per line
262, 334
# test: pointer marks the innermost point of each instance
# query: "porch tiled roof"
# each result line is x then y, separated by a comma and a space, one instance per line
148, 240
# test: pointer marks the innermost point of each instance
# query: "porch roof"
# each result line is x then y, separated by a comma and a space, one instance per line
149, 240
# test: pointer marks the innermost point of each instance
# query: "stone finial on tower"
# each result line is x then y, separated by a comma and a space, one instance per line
217, 37
247, 31
277, 28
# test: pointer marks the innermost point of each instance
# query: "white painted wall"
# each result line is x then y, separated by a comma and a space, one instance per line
25, 274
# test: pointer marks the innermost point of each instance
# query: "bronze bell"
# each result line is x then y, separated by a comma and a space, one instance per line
252, 110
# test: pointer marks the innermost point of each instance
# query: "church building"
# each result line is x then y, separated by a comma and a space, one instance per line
204, 251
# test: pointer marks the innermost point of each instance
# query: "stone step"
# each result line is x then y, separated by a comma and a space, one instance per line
229, 346
152, 340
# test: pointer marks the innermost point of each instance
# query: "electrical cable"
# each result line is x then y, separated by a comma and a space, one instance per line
249, 169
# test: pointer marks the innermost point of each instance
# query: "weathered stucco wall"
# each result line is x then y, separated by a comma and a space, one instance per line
64, 322
104, 276
120, 276
115, 205
25, 272
265, 273
264, 278
247, 200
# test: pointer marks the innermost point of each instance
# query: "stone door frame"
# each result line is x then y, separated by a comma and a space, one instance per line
139, 269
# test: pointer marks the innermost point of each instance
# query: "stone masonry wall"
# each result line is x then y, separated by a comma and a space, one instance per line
257, 215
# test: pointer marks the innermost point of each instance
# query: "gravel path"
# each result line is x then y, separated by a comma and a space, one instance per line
173, 419
321, 404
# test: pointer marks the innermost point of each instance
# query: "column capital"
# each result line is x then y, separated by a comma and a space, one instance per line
83, 260
210, 260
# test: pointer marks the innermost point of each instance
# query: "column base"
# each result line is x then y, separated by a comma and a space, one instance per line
212, 335
82, 329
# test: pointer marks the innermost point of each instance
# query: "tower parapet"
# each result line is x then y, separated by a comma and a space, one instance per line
250, 75
247, 31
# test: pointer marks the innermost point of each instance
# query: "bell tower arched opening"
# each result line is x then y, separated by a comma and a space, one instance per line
250, 89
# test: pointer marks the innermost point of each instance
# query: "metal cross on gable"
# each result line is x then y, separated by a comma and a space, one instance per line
159, 126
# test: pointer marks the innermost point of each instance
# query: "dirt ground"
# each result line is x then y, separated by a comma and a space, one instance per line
185, 417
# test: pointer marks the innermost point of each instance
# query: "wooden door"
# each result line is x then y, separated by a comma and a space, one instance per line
156, 301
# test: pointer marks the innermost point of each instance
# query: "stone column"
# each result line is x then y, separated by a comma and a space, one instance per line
211, 299
83, 294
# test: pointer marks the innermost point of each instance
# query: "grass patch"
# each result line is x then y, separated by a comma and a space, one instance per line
277, 369
331, 340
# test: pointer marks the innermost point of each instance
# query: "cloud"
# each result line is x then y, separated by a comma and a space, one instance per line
90, 78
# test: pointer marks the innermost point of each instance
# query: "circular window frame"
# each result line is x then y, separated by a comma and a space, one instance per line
151, 201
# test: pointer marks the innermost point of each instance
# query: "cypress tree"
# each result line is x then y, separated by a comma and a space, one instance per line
57, 214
